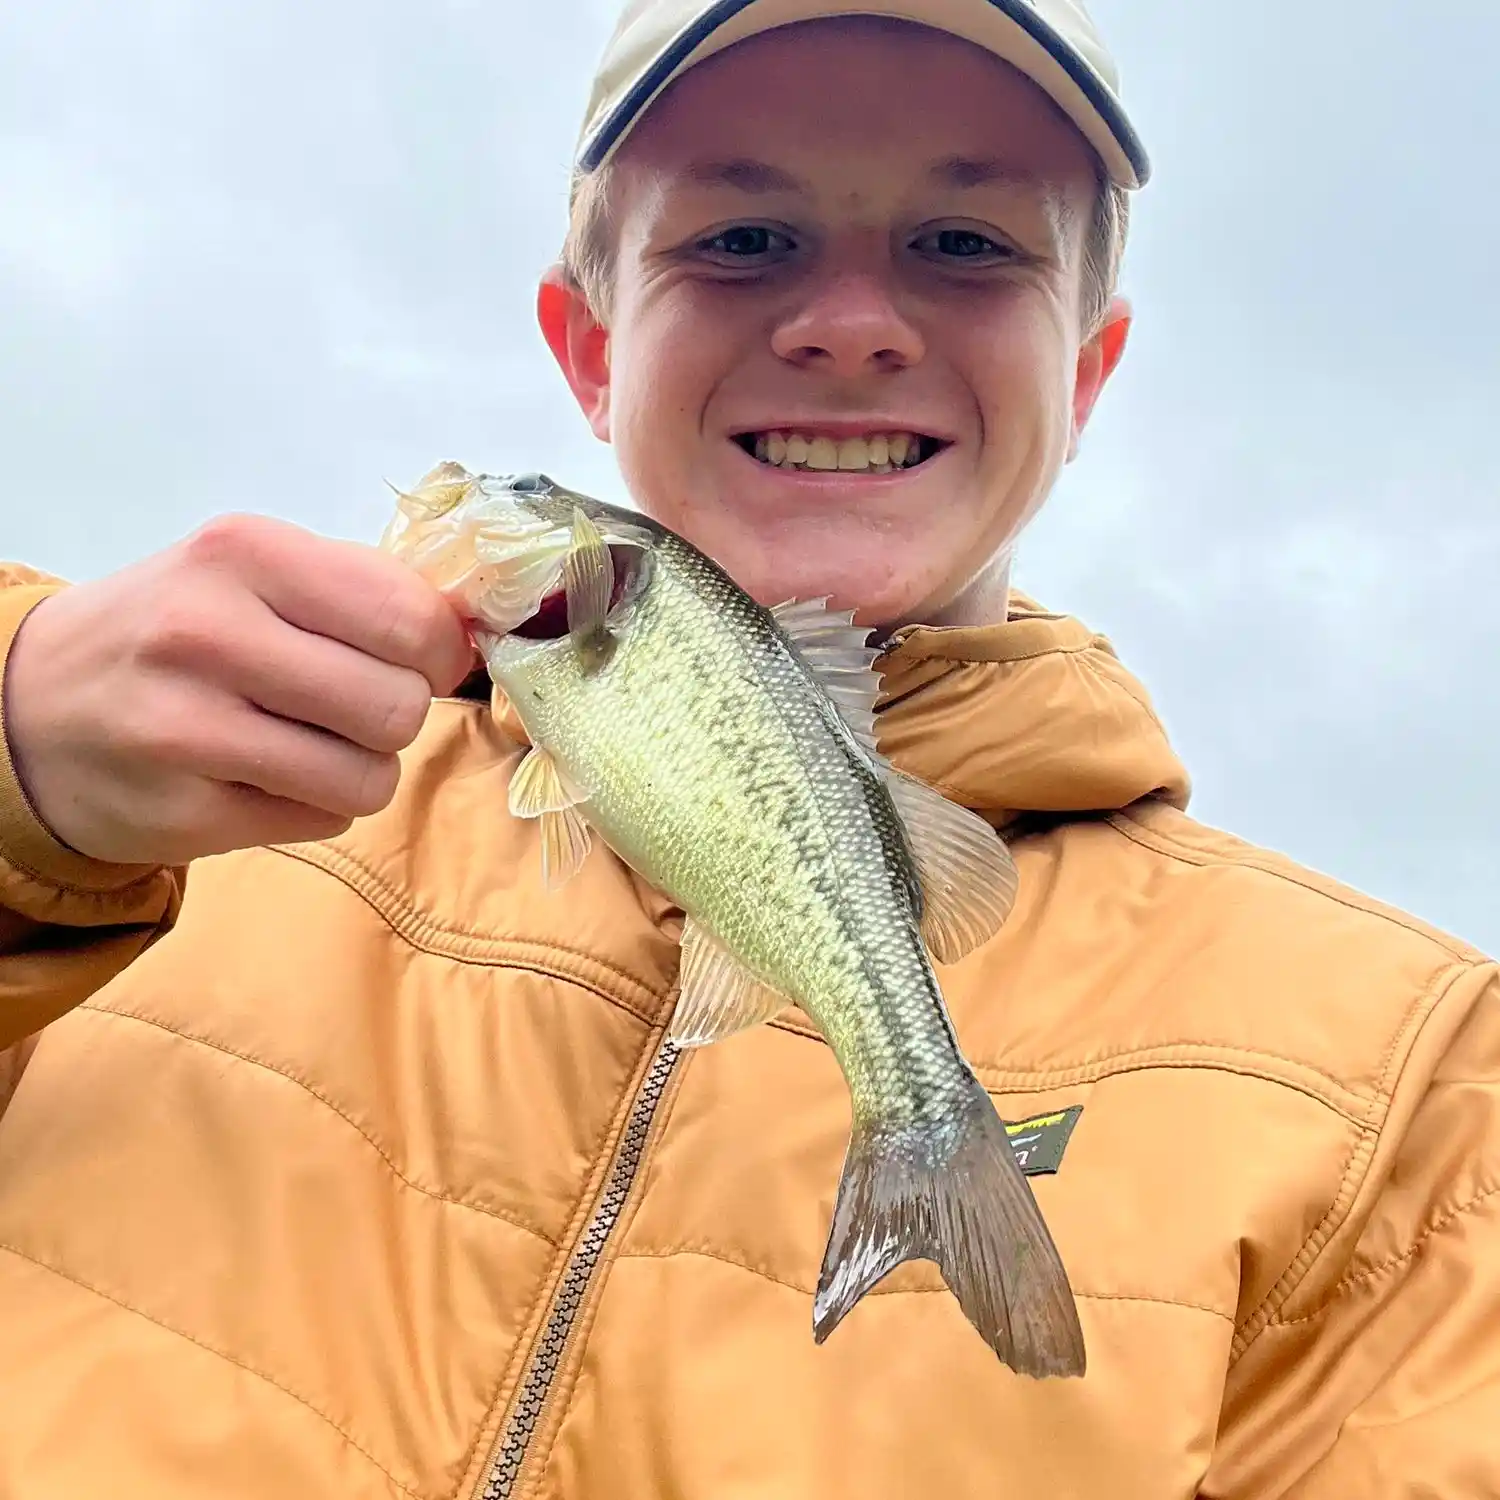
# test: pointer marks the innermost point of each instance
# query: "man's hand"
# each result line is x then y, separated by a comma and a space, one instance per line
250, 685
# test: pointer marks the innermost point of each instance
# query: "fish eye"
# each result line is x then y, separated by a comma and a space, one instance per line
531, 484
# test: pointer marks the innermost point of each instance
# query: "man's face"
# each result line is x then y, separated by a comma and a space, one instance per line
855, 244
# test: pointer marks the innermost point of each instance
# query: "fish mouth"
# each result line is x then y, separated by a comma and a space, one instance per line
549, 621
875, 451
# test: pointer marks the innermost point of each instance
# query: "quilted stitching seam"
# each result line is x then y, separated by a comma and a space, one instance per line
308, 1087
223, 1354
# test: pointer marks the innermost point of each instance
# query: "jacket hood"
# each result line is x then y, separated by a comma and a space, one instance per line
1036, 715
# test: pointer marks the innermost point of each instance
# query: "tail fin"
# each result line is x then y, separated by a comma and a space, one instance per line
950, 1191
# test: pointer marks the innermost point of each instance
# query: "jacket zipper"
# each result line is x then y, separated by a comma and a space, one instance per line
510, 1453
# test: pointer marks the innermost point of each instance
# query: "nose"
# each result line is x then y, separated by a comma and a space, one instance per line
848, 324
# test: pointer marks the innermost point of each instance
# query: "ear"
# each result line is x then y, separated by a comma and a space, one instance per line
1097, 360
579, 343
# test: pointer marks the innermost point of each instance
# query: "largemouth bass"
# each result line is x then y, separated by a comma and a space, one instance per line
728, 754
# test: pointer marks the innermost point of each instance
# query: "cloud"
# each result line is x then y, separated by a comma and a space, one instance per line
263, 256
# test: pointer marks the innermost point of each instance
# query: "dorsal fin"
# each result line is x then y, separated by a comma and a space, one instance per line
834, 648
968, 877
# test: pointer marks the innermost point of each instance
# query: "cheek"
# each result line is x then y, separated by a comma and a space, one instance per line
1020, 369
660, 374
1020, 365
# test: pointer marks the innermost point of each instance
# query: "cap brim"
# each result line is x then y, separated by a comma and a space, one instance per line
1010, 29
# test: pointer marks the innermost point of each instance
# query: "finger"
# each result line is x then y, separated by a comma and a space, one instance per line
299, 764
313, 679
190, 817
252, 818
350, 593
235, 816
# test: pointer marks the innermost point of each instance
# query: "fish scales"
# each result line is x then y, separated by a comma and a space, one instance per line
723, 751
817, 900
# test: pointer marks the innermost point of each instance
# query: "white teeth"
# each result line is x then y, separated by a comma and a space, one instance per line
879, 453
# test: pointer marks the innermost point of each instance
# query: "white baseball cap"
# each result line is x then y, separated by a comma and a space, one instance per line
1053, 42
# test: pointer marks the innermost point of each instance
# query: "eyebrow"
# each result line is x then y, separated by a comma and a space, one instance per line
747, 174
752, 176
989, 171
981, 172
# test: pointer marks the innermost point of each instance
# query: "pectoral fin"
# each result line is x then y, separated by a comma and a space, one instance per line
539, 789
968, 877
588, 578
719, 996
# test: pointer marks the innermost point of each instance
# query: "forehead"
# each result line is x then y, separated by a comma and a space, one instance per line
866, 99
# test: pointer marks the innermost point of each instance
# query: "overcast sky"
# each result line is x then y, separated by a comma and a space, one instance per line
262, 255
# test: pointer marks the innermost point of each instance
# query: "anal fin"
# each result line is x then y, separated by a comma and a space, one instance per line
719, 996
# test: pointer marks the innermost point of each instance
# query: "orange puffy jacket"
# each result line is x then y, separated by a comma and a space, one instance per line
366, 1173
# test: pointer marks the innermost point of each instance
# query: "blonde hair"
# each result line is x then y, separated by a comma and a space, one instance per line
588, 253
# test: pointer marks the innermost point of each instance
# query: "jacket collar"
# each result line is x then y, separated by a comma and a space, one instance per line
1036, 715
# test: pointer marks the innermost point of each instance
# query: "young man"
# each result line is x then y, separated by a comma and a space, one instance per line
351, 1163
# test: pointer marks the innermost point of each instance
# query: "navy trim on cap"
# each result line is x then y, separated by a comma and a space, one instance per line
598, 146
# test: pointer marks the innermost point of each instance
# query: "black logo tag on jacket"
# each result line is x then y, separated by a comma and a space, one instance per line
1039, 1142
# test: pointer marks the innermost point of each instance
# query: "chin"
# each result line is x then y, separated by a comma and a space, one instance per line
878, 578
874, 550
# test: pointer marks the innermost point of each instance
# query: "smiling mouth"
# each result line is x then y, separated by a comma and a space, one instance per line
874, 453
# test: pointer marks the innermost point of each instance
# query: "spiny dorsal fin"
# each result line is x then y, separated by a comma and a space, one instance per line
719, 996
968, 877
834, 649
539, 789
